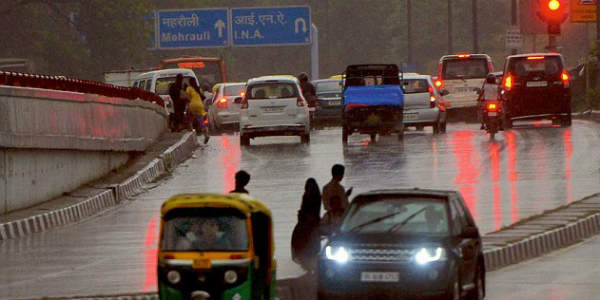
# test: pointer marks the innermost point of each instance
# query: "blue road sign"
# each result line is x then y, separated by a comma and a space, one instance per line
192, 28
261, 26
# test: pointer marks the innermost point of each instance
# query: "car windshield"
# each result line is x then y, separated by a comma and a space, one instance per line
204, 230
549, 65
406, 215
465, 68
334, 86
163, 84
234, 90
276, 90
413, 86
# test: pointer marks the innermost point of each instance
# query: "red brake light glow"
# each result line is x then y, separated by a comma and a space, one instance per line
439, 83
492, 106
565, 78
554, 4
242, 93
222, 102
464, 55
534, 57
508, 82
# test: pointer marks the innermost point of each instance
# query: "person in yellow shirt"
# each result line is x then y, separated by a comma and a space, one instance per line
197, 108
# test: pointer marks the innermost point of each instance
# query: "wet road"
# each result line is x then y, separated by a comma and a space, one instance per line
571, 273
523, 172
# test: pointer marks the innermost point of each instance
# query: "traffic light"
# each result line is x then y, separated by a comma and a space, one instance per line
553, 13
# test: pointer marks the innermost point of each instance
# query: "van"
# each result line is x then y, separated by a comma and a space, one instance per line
158, 82
460, 76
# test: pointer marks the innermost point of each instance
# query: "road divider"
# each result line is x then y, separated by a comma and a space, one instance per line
22, 224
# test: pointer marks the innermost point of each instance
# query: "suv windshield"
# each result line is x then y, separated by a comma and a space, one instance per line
204, 230
412, 216
233, 90
523, 66
274, 90
465, 68
163, 84
333, 86
412, 86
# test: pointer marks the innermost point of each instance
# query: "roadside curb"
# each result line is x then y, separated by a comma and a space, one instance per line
106, 198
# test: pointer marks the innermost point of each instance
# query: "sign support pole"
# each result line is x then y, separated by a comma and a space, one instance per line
314, 53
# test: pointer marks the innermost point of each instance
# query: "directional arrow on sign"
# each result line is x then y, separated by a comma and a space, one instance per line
297, 25
220, 25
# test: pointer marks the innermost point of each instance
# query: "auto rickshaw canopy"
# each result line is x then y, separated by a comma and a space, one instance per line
241, 202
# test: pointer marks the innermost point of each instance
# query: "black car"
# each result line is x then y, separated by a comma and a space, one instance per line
329, 100
404, 244
536, 86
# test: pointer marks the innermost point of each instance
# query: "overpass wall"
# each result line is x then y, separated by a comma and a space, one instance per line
53, 141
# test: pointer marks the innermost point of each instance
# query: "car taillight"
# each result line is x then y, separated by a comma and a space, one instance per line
492, 106
439, 84
565, 78
299, 101
244, 104
431, 97
222, 102
508, 82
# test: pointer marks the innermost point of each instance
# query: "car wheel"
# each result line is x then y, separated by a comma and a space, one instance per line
244, 140
344, 135
478, 292
506, 122
567, 121
305, 138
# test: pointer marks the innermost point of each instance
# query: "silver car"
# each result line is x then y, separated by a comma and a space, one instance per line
224, 108
423, 104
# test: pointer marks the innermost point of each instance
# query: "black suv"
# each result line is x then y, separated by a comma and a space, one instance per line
403, 244
536, 86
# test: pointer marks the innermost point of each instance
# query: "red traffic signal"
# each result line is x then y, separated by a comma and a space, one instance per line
553, 13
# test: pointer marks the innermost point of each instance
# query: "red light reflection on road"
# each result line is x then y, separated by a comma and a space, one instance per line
494, 151
150, 252
434, 167
466, 163
513, 177
568, 152
230, 163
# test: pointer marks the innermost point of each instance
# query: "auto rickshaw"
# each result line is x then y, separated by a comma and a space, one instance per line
215, 246
373, 101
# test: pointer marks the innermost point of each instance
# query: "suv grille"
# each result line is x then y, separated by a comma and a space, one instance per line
381, 255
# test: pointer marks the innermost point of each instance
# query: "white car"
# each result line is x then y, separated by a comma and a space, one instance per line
273, 106
159, 82
422, 103
225, 105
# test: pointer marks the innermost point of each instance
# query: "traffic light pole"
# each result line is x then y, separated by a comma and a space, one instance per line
598, 22
552, 46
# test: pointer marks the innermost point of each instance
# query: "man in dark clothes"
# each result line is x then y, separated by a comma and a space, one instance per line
241, 180
178, 102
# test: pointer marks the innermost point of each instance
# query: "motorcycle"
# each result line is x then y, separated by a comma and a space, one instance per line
491, 117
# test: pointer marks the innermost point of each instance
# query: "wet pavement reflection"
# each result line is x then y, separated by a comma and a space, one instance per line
522, 172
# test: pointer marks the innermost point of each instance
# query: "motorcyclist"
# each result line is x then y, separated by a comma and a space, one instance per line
489, 91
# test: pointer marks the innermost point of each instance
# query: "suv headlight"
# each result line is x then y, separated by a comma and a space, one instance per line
339, 254
427, 255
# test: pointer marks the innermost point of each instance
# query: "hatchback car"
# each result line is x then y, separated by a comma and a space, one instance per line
273, 106
402, 244
536, 86
422, 103
329, 105
225, 105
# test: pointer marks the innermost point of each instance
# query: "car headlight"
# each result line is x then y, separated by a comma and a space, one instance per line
338, 254
427, 255
230, 276
174, 277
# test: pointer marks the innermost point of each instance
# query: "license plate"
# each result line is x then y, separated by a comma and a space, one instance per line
492, 114
536, 83
411, 116
201, 264
333, 103
273, 109
379, 277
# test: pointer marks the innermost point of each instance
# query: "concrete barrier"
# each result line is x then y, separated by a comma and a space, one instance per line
53, 141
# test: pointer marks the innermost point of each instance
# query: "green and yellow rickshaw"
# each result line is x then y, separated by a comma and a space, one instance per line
215, 246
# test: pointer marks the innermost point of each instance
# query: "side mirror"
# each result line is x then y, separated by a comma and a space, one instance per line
444, 92
237, 100
470, 232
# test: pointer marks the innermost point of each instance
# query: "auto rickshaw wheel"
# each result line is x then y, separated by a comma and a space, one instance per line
344, 134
